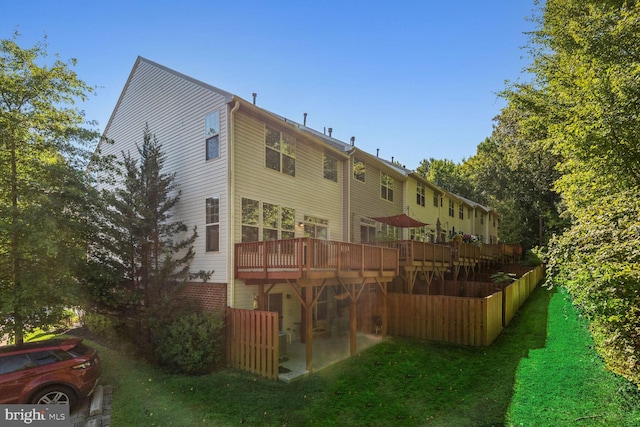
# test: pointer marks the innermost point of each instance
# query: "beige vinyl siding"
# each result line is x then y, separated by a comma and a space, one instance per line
366, 201
427, 213
308, 193
175, 109
449, 222
481, 227
464, 225
492, 218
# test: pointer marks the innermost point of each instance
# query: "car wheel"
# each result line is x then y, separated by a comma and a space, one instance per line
55, 395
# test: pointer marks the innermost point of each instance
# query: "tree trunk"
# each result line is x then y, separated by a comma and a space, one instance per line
15, 249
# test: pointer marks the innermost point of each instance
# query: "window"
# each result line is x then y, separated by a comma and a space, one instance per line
14, 363
420, 194
367, 230
422, 234
250, 220
451, 208
330, 168
316, 228
358, 170
279, 151
287, 223
481, 218
389, 232
320, 309
271, 222
212, 135
213, 224
436, 200
461, 211
44, 357
386, 187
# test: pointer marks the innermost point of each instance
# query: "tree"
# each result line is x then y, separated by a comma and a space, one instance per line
585, 94
44, 193
515, 174
445, 174
143, 235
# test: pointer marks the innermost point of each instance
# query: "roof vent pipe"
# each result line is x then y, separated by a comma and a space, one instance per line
353, 141
330, 130
391, 159
254, 97
305, 119
377, 152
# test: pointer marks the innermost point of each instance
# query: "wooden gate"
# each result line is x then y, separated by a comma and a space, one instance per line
252, 341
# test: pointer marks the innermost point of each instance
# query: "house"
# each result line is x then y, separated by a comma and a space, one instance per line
290, 220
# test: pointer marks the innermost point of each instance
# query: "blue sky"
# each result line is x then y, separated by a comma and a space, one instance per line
414, 79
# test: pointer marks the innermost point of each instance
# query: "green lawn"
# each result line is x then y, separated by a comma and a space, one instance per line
541, 371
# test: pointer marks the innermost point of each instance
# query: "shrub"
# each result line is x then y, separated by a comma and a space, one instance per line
100, 325
188, 342
502, 277
67, 318
532, 258
598, 261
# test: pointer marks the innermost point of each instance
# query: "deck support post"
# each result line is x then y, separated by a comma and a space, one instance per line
308, 326
353, 324
261, 301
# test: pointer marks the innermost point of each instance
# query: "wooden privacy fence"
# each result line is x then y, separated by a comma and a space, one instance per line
474, 317
252, 341
517, 292
460, 320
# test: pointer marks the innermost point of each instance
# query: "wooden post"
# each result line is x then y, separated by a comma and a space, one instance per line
353, 324
383, 291
308, 327
261, 302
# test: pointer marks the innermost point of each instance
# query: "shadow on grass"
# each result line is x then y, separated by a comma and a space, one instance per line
398, 382
566, 383
408, 382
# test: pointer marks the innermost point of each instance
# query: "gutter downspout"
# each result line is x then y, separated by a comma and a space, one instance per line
231, 265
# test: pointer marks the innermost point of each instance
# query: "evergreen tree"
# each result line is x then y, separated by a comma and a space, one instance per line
153, 250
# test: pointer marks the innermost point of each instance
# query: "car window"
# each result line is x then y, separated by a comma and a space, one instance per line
42, 358
79, 350
62, 355
14, 363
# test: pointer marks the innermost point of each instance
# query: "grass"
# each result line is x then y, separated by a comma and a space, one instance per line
541, 371
566, 382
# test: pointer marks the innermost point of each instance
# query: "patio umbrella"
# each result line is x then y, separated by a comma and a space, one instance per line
402, 221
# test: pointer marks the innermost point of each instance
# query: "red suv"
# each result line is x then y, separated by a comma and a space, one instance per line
57, 371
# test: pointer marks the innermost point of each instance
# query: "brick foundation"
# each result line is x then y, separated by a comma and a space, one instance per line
207, 296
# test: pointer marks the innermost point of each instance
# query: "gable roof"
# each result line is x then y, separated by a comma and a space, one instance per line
335, 145
139, 61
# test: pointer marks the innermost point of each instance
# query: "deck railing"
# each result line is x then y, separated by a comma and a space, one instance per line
466, 251
411, 251
299, 258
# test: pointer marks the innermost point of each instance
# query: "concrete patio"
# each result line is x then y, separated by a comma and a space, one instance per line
326, 352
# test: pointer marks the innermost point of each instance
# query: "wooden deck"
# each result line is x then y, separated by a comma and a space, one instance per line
421, 254
305, 258
424, 254
431, 260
